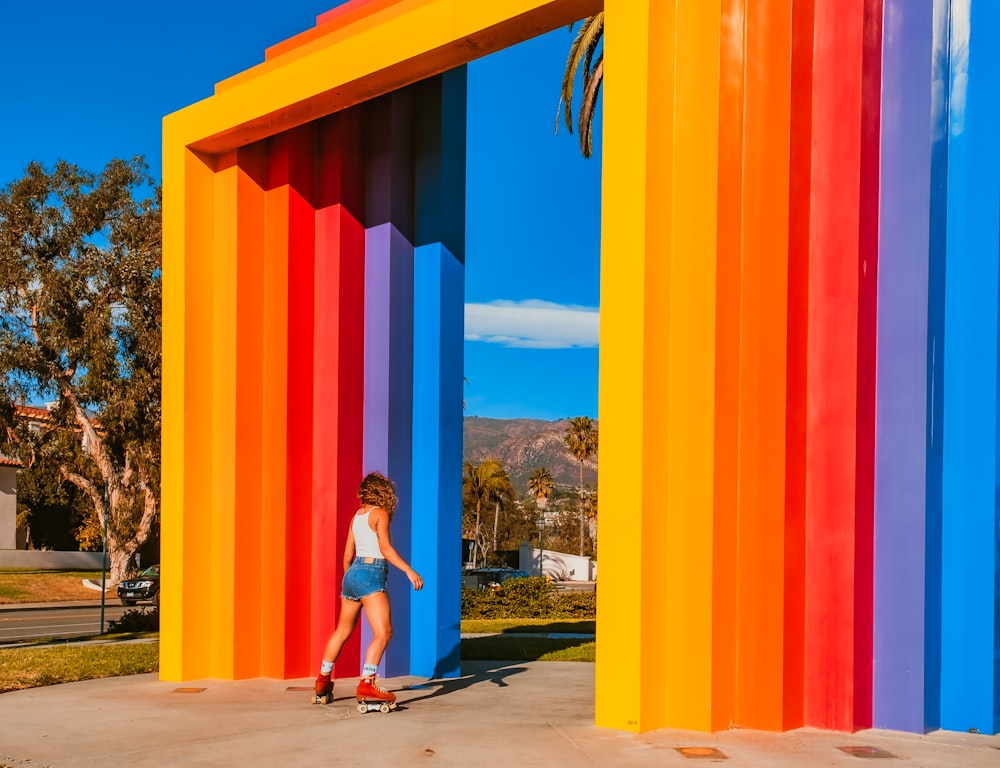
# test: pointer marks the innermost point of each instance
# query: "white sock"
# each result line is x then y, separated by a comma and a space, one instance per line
369, 670
326, 668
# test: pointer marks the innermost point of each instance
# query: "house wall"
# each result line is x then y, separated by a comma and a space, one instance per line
8, 508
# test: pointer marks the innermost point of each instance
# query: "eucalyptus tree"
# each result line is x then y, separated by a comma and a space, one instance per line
581, 439
587, 50
80, 328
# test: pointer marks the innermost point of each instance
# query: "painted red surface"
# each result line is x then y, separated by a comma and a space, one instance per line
832, 368
291, 151
799, 217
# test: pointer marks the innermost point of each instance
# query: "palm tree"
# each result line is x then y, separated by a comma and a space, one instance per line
484, 483
581, 439
540, 485
583, 50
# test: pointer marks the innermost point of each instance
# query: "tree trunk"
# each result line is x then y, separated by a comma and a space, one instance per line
583, 511
496, 519
121, 562
475, 546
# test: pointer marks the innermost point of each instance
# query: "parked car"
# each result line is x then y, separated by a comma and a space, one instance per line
144, 588
491, 578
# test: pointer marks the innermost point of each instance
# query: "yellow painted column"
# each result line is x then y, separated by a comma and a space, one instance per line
657, 379
188, 227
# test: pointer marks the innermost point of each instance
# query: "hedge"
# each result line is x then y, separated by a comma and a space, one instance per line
531, 598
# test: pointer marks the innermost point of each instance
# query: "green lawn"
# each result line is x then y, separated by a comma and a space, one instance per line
33, 667
506, 645
34, 585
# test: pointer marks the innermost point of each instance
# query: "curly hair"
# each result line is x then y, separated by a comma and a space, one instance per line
377, 489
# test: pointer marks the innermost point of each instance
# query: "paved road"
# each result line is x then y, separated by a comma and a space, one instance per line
65, 621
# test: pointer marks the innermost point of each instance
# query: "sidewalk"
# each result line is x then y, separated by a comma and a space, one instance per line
509, 714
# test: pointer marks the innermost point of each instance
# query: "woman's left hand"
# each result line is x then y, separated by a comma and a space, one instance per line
415, 580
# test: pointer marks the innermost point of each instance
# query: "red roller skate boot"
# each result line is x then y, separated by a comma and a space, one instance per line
370, 696
324, 690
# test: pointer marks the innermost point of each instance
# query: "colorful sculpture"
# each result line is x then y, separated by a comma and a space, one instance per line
799, 391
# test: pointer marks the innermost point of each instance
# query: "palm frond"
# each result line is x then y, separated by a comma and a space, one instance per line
588, 104
583, 47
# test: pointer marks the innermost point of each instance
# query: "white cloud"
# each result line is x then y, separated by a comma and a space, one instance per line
532, 324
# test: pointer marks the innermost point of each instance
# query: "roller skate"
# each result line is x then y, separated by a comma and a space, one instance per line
324, 690
370, 697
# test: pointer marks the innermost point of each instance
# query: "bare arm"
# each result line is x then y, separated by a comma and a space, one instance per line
349, 548
379, 522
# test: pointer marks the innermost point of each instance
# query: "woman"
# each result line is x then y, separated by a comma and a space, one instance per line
367, 554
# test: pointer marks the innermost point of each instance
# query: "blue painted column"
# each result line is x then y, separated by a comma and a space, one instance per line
970, 449
901, 401
438, 330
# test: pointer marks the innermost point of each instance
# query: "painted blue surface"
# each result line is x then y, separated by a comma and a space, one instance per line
969, 467
388, 407
901, 402
438, 371
940, 74
439, 285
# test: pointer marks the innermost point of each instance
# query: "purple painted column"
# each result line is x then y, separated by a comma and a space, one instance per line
388, 405
901, 401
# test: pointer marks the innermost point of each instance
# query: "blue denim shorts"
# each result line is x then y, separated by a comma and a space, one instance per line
363, 579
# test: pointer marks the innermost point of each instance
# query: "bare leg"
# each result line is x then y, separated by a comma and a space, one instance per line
349, 613
380, 619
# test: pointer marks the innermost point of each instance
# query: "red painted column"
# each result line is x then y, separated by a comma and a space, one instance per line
796, 407
291, 167
832, 370
338, 375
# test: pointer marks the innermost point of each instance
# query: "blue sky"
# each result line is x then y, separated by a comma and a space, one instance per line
88, 82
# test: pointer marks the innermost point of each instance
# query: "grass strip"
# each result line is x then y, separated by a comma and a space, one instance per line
42, 585
34, 667
541, 626
506, 648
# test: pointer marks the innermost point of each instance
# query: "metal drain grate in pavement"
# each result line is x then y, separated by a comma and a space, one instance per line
866, 752
702, 752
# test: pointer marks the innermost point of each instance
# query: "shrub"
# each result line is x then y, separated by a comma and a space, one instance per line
531, 598
136, 620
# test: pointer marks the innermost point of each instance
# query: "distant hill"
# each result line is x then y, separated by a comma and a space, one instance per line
523, 445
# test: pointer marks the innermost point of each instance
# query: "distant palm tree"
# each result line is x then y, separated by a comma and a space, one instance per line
540, 485
581, 439
583, 50
486, 483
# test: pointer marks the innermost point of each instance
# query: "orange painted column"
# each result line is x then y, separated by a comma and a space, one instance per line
760, 563
727, 353
657, 375
250, 555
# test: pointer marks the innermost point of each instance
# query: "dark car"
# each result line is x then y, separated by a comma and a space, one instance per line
144, 588
491, 578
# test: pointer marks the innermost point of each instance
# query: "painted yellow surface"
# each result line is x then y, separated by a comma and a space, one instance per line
626, 557
658, 362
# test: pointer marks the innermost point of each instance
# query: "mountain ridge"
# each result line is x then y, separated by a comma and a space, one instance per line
523, 445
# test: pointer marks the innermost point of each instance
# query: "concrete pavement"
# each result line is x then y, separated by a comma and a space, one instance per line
508, 714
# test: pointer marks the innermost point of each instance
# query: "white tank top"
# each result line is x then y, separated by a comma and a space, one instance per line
365, 540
